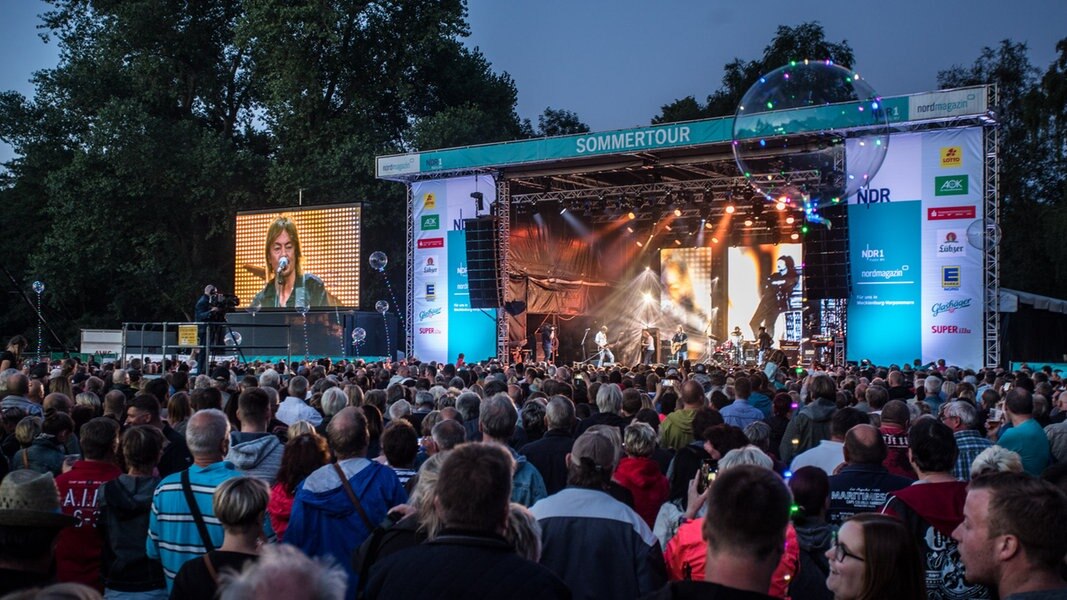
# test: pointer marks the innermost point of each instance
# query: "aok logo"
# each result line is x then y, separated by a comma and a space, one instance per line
951, 157
431, 222
873, 254
950, 185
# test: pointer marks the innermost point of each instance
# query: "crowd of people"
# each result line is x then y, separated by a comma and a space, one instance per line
425, 480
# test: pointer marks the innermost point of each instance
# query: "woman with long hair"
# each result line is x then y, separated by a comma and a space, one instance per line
11, 358
874, 557
303, 454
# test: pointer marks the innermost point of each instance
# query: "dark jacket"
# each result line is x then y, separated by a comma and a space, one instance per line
703, 590
463, 565
603, 419
810, 426
814, 537
176, 456
861, 488
684, 467
124, 508
44, 455
579, 527
309, 289
548, 455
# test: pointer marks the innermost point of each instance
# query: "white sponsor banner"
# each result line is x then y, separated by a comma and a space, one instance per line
950, 103
952, 269
391, 166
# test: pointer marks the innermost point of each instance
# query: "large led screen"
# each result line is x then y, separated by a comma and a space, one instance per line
765, 289
298, 257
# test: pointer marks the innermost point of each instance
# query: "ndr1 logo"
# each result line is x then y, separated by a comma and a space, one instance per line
873, 254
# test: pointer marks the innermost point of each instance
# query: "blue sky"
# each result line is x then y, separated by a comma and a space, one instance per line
616, 62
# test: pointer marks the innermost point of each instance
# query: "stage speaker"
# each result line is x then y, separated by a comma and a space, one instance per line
826, 256
483, 275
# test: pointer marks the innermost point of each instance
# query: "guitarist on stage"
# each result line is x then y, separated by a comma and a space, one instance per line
601, 340
548, 337
680, 345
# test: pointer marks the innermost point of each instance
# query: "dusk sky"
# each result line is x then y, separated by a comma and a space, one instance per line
616, 62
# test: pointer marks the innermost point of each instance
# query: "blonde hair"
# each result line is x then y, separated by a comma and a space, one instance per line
996, 459
640, 439
300, 428
524, 532
240, 502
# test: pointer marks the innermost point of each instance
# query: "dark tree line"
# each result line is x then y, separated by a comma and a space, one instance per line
162, 119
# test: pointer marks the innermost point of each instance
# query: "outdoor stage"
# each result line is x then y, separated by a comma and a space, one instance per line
651, 228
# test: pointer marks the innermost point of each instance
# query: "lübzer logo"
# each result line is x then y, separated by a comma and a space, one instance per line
873, 254
949, 243
429, 266
951, 306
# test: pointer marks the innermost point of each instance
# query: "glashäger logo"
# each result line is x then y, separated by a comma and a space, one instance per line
951, 157
950, 307
950, 185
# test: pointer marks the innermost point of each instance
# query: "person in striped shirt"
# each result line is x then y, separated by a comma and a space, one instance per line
174, 536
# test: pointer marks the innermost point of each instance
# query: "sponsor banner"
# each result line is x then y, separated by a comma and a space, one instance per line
952, 103
440, 205
883, 311
392, 166
951, 213
952, 276
904, 155
472, 331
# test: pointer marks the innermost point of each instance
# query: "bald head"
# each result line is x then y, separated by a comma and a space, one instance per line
897, 413
348, 433
864, 446
57, 401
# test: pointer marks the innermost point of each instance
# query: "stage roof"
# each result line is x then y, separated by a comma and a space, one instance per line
686, 151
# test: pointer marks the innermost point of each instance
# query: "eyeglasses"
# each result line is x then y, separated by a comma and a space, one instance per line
840, 552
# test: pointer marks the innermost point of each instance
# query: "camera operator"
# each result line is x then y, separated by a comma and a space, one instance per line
210, 308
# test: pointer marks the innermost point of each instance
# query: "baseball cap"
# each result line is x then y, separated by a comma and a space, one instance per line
594, 446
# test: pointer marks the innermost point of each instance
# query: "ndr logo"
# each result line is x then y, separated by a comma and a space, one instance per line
873, 254
872, 196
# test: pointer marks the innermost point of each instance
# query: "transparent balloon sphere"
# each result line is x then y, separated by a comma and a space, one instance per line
233, 339
254, 306
358, 335
378, 261
381, 306
38, 287
810, 134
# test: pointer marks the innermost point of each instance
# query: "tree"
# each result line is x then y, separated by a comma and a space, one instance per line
559, 122
1032, 168
807, 40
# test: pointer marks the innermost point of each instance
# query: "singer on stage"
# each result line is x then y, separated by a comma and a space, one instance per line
288, 286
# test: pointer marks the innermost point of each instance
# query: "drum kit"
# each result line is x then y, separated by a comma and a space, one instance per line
735, 351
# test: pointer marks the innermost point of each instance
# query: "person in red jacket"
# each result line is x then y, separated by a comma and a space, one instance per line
303, 454
80, 546
640, 474
686, 554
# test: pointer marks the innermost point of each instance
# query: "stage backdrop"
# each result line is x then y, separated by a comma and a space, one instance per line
915, 244
443, 323
765, 288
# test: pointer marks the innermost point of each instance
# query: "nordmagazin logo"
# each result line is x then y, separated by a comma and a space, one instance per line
950, 185
950, 307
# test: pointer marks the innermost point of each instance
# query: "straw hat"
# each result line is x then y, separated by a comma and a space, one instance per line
31, 499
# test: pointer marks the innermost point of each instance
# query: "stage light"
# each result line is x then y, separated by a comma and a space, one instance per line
563, 210
677, 242
795, 236
714, 240
748, 222
677, 211
730, 209
630, 229
780, 205
631, 215
790, 220
708, 225
647, 296
639, 244
804, 229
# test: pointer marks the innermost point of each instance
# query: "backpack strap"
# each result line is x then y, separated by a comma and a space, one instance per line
194, 508
352, 496
211, 569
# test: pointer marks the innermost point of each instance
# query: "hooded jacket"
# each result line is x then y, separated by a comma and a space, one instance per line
814, 538
809, 427
677, 429
931, 511
124, 506
641, 475
79, 547
44, 455
324, 522
258, 455
527, 485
